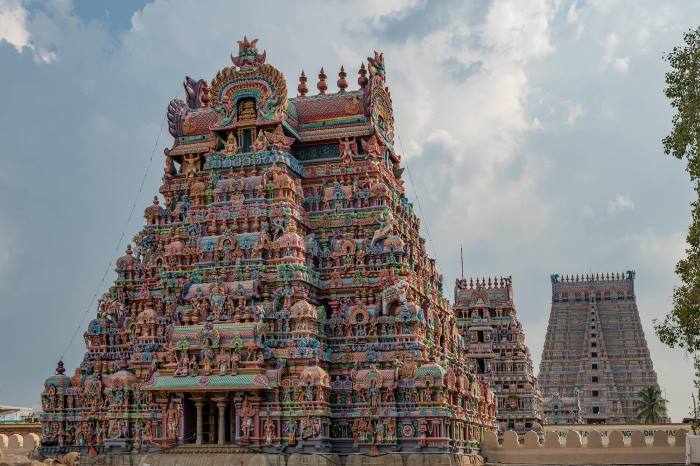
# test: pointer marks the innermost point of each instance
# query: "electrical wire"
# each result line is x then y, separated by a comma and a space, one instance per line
118, 246
420, 207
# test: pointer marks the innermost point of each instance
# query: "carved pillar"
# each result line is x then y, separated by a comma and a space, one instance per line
222, 404
181, 421
238, 427
258, 434
212, 425
199, 404
232, 422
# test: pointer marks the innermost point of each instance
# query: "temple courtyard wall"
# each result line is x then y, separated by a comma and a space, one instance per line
18, 443
572, 449
548, 448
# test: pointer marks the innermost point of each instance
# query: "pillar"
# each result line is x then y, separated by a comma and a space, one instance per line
212, 425
222, 421
199, 404
232, 421
238, 398
238, 428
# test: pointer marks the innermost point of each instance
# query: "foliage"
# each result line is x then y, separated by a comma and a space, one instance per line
681, 327
651, 405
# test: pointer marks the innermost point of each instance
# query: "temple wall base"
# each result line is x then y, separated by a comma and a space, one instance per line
295, 459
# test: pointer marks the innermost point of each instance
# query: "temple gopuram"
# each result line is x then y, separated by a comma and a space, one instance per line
595, 350
487, 317
279, 296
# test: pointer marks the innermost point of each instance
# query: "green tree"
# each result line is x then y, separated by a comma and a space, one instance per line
651, 405
681, 327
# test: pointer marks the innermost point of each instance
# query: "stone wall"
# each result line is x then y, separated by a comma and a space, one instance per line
297, 459
9, 428
572, 450
534, 449
18, 444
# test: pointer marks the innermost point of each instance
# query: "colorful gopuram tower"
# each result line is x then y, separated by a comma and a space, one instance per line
495, 339
595, 348
279, 296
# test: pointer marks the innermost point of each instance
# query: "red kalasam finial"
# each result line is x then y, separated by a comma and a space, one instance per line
303, 88
362, 78
342, 82
322, 86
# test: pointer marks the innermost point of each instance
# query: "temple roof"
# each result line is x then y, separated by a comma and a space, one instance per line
200, 123
211, 382
59, 379
309, 109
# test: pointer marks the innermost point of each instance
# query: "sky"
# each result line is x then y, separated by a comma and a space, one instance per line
531, 132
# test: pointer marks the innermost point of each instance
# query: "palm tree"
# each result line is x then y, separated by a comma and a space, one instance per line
651, 405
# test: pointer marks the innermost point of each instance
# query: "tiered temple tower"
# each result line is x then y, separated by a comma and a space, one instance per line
488, 320
595, 347
279, 295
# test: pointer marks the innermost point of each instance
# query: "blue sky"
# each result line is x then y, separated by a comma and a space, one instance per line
531, 130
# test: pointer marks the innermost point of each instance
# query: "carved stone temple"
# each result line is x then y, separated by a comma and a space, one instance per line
279, 295
595, 351
487, 318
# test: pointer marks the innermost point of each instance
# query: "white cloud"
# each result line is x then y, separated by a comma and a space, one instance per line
44, 55
13, 24
586, 212
622, 64
605, 6
13, 30
521, 29
610, 57
477, 126
573, 17
575, 111
619, 204
572, 14
610, 46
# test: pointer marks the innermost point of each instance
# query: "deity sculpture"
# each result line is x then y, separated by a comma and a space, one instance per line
247, 413
260, 143
224, 362
193, 367
190, 163
231, 145
269, 429
208, 357
291, 432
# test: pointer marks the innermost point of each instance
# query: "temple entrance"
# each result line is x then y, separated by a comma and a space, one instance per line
208, 420
189, 416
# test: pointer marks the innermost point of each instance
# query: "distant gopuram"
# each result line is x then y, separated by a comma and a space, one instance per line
595, 349
488, 321
279, 296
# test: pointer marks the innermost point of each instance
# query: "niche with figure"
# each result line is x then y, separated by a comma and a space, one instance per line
247, 115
